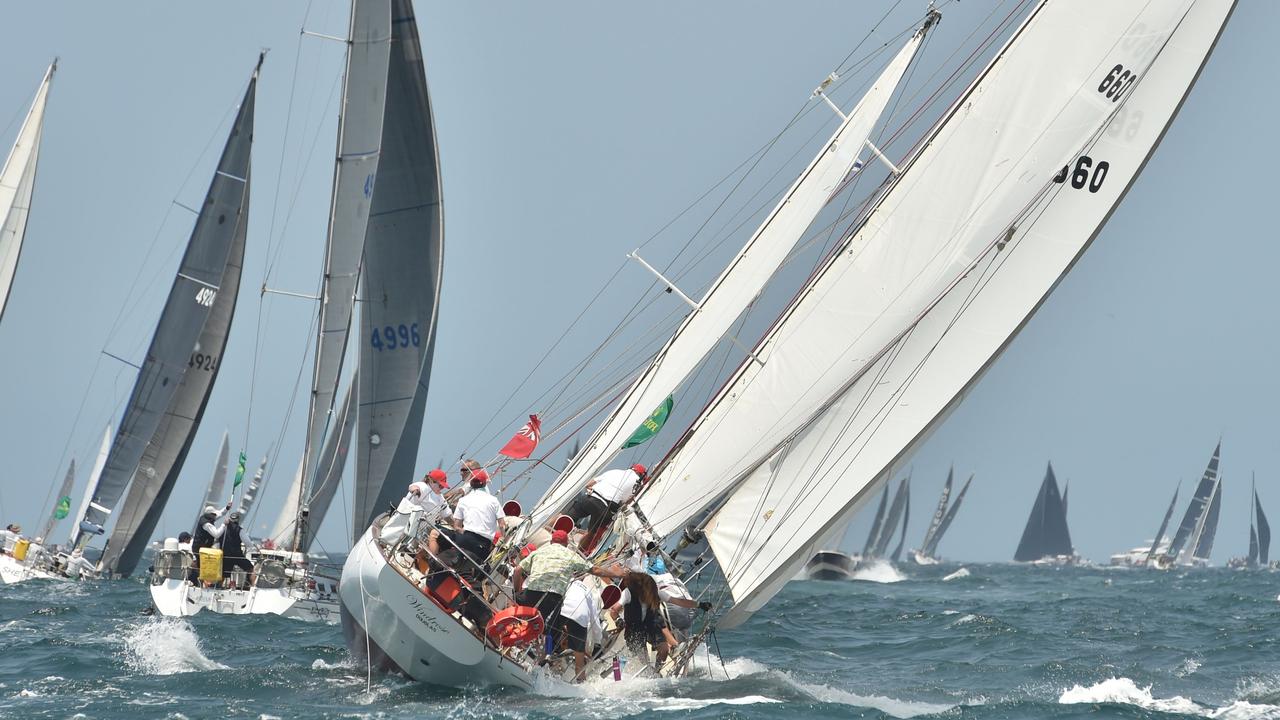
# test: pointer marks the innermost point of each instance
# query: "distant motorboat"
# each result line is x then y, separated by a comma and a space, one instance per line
831, 565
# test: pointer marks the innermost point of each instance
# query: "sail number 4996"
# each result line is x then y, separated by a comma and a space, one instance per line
391, 337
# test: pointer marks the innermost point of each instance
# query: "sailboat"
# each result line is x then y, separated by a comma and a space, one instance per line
942, 517
1144, 556
1046, 539
1182, 548
974, 229
1259, 536
17, 185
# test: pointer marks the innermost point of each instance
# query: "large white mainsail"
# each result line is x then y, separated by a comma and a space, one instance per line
364, 92
946, 269
738, 285
17, 182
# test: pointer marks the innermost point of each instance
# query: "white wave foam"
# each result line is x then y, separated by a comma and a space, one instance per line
965, 619
879, 571
164, 646
961, 573
1123, 691
695, 704
1187, 667
897, 708
320, 664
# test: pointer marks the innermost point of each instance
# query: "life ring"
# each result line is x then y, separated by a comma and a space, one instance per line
516, 625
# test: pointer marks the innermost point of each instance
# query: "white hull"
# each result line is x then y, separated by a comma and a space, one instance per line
14, 571
178, 598
400, 628
921, 559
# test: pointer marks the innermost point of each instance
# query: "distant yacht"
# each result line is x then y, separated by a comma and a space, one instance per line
1046, 540
942, 517
1142, 555
1259, 537
1193, 541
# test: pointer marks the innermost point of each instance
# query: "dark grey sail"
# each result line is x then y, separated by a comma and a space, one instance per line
403, 266
164, 454
213, 491
1164, 525
931, 549
906, 518
1264, 531
891, 519
1065, 491
1209, 530
938, 513
63, 499
1195, 508
1252, 560
873, 537
329, 468
1046, 533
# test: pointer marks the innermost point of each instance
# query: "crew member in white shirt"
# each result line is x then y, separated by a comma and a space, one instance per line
475, 522
580, 624
594, 509
422, 502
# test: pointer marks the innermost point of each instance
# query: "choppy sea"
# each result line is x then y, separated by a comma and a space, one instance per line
992, 641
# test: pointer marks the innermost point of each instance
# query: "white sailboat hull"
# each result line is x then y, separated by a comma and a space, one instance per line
921, 559
178, 598
14, 571
396, 625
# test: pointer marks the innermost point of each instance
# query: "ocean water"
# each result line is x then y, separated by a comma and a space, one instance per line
988, 641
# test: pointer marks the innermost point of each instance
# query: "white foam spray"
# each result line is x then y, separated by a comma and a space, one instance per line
164, 646
880, 571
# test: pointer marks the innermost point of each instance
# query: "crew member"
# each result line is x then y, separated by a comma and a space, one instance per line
184, 541
580, 624
422, 501
643, 621
233, 548
207, 533
475, 522
542, 577
594, 509
469, 467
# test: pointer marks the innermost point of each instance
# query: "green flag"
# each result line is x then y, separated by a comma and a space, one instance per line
63, 508
239, 472
651, 425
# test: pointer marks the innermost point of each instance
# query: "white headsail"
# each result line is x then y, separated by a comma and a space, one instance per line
17, 181
739, 285
92, 487
1015, 181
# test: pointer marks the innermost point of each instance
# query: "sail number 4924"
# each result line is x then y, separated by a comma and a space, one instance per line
391, 337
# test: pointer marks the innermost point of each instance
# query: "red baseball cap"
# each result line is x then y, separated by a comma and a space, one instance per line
639, 469
524, 551
439, 476
560, 537
479, 476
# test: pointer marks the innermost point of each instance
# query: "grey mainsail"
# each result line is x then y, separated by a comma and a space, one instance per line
63, 500
403, 266
938, 513
1208, 529
931, 549
213, 492
1252, 560
1264, 531
906, 518
1164, 525
1046, 533
892, 518
873, 537
170, 393
1199, 503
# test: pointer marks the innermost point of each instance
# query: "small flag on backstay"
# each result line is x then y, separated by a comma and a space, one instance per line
239, 472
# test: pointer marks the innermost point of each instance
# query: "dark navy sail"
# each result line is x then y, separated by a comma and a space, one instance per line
939, 513
931, 549
1046, 533
1264, 531
1209, 528
403, 266
891, 519
1199, 502
873, 537
906, 518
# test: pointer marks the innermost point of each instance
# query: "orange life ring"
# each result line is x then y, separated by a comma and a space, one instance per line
516, 625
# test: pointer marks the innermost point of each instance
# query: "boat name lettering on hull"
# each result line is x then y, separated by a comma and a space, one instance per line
420, 612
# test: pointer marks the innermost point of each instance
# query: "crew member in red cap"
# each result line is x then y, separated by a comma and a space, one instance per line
594, 509
421, 503
475, 521
542, 577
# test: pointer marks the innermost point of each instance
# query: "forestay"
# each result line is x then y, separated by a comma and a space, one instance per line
946, 269
191, 300
736, 288
404, 252
364, 94
17, 182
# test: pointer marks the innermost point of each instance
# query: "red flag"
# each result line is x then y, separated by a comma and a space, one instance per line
521, 445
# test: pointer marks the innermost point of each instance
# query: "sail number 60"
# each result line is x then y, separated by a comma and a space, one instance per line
1085, 174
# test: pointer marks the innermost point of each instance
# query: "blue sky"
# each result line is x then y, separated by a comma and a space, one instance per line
571, 132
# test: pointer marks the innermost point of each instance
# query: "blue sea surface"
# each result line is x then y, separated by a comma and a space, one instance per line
985, 641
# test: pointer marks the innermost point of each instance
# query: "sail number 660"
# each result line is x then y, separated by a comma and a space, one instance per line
1116, 82
395, 336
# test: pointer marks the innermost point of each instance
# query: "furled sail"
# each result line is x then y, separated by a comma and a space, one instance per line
738, 285
1198, 505
1046, 533
1264, 531
173, 348
61, 501
947, 267
938, 513
95, 475
166, 452
1164, 525
213, 492
364, 93
17, 183
873, 538
403, 270
931, 548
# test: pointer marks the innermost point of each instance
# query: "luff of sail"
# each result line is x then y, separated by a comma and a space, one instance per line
1164, 525
931, 237
166, 452
364, 92
17, 184
931, 549
91, 487
1046, 533
403, 271
191, 299
64, 493
1197, 506
1004, 259
738, 285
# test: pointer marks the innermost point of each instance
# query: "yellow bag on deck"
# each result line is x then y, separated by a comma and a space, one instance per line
20, 549
211, 565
